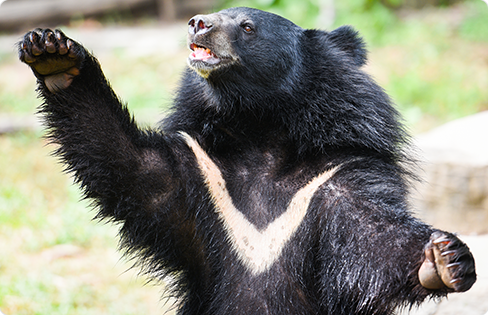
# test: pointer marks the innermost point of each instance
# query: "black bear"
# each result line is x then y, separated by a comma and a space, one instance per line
278, 183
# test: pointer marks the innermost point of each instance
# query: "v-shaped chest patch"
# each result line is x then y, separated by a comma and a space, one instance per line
257, 250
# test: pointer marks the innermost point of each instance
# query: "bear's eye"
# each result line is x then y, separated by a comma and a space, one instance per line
248, 28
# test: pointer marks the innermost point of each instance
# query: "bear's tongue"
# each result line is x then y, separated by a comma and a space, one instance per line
201, 54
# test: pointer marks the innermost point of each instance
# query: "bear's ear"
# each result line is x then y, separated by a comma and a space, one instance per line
348, 40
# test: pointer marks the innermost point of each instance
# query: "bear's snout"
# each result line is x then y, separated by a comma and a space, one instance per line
200, 24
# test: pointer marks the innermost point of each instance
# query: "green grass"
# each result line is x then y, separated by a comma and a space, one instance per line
55, 259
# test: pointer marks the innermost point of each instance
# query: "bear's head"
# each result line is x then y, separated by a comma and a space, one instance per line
260, 43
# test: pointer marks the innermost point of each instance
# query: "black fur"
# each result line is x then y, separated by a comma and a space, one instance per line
295, 103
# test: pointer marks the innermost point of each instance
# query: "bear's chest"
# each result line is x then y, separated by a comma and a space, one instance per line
259, 193
261, 204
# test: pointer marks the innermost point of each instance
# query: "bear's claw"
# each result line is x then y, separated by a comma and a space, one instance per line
54, 58
448, 263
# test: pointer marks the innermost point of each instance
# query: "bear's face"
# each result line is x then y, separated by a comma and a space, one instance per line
251, 40
253, 72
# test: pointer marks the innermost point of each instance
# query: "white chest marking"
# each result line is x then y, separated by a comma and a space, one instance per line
257, 250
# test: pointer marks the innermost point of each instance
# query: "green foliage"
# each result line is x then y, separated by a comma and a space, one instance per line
303, 13
475, 23
307, 13
371, 18
426, 60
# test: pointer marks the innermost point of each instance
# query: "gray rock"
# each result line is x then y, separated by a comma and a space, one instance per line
454, 194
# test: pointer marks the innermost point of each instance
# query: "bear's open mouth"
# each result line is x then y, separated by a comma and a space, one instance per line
200, 53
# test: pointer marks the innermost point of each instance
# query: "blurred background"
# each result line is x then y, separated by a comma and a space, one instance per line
431, 56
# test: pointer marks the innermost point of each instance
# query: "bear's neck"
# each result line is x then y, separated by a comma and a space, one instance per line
231, 115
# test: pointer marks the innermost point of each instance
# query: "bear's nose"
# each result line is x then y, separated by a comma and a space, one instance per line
199, 24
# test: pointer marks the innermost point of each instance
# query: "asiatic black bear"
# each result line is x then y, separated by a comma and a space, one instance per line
278, 184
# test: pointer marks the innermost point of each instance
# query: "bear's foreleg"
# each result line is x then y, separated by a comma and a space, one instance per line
133, 176
117, 164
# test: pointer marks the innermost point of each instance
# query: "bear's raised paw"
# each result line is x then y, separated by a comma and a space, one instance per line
448, 263
54, 58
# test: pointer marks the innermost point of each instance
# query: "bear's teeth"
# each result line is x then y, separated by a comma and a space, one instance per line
208, 51
201, 53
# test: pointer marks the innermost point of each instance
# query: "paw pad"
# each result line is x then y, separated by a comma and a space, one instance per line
52, 56
448, 263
